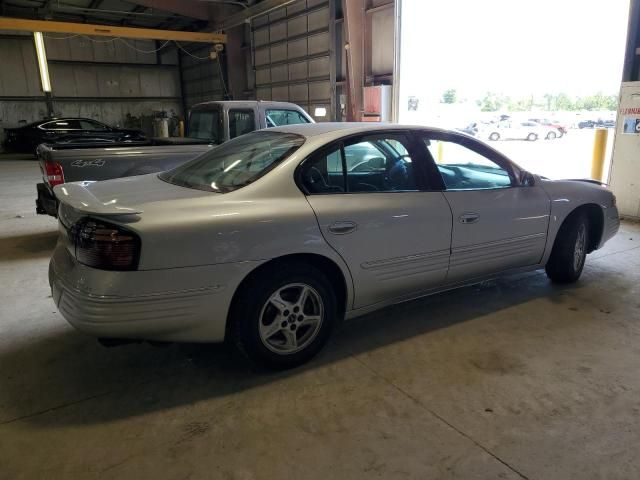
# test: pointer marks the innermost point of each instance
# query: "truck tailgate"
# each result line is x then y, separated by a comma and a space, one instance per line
108, 163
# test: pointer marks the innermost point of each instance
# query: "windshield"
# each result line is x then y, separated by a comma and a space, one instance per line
236, 163
205, 125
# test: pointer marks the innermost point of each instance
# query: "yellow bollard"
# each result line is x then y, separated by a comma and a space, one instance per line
599, 149
181, 128
440, 152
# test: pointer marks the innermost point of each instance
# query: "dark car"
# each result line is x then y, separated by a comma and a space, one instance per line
28, 137
597, 124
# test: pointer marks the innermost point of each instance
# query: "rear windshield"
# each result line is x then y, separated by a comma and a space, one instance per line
235, 163
205, 125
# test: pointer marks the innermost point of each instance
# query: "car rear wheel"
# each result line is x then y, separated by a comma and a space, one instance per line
284, 316
494, 136
551, 136
569, 250
532, 137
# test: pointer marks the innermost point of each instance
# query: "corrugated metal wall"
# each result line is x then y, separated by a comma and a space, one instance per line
20, 95
105, 80
200, 75
291, 51
297, 53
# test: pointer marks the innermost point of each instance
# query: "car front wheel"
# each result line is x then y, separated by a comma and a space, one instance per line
494, 136
284, 316
551, 135
569, 250
532, 137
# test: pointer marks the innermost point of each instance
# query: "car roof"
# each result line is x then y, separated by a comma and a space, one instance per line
340, 129
246, 102
63, 119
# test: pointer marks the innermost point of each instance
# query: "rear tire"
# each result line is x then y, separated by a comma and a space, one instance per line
569, 250
494, 136
274, 326
532, 137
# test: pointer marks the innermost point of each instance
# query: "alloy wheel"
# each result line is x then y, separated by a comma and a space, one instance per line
291, 318
580, 247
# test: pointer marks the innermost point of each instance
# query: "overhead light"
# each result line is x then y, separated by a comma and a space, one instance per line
42, 62
320, 112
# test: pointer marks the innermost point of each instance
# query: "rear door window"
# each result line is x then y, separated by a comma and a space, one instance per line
91, 125
241, 121
373, 163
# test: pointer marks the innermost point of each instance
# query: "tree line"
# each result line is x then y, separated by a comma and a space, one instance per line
493, 102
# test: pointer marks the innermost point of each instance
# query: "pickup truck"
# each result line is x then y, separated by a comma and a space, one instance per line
210, 124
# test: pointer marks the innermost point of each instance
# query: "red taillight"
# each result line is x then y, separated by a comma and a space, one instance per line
105, 246
55, 174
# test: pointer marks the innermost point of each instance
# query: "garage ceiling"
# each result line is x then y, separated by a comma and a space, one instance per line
159, 14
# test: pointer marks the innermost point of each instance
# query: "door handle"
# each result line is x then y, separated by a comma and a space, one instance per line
341, 228
469, 217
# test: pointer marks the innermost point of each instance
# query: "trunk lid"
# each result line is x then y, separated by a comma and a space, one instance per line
122, 196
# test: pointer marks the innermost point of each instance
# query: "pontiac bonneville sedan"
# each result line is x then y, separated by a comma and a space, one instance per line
272, 238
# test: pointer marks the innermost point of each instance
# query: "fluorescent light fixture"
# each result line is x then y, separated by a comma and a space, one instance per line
320, 112
42, 62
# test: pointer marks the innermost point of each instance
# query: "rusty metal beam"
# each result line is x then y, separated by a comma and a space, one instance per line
108, 30
354, 22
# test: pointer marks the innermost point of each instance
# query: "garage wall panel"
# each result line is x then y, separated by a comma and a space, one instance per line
292, 54
19, 70
105, 80
381, 26
201, 81
21, 100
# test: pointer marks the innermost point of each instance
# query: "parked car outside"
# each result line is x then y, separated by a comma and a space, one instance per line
597, 124
270, 239
81, 130
518, 130
560, 127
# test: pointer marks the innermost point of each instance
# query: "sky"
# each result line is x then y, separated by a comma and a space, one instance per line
515, 47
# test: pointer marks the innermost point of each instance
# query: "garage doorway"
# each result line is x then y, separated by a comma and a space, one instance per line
533, 79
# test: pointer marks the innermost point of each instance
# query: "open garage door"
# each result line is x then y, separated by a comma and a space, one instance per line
534, 80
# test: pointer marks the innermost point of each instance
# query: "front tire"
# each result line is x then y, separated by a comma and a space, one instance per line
532, 137
284, 316
495, 136
569, 250
551, 136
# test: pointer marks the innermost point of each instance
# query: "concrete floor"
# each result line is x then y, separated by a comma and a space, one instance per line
510, 379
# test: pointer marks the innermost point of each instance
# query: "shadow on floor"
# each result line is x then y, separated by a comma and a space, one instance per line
28, 246
137, 379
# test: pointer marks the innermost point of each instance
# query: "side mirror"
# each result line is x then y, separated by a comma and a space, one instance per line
527, 179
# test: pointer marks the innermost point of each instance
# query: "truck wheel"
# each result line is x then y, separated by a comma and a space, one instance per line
284, 316
569, 250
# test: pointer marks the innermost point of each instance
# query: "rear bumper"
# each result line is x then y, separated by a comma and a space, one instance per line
46, 202
183, 304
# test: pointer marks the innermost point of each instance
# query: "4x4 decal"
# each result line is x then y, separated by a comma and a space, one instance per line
98, 162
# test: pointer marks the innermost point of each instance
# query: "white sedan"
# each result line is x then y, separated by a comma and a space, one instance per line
518, 130
275, 236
